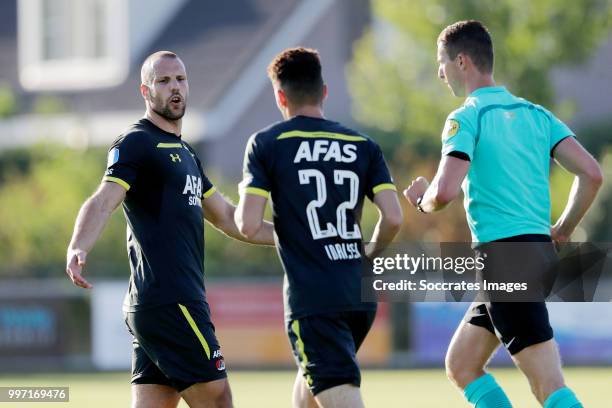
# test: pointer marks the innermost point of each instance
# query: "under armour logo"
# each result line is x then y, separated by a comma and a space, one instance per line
175, 157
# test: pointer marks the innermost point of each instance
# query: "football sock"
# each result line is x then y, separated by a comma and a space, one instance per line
484, 392
562, 398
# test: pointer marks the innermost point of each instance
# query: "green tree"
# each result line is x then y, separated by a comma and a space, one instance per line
393, 76
40, 196
8, 101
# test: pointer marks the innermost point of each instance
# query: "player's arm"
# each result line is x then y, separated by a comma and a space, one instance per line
249, 215
221, 214
254, 188
444, 187
390, 220
90, 222
570, 154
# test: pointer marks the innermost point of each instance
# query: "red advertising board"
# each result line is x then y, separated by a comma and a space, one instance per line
249, 322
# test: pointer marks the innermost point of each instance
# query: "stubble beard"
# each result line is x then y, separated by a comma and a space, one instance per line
168, 114
165, 111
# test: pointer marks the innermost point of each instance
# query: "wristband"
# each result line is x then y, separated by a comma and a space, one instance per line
418, 205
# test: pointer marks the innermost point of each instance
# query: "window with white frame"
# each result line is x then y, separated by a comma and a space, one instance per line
72, 44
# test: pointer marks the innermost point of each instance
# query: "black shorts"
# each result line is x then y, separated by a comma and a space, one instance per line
174, 345
325, 347
518, 324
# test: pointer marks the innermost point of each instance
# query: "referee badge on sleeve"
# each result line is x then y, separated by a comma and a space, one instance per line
450, 129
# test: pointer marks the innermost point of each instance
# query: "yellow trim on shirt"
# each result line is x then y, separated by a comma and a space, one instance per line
383, 186
209, 192
118, 181
325, 135
257, 191
169, 145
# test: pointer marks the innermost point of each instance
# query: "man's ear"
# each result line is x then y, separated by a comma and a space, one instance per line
144, 91
461, 61
281, 97
325, 91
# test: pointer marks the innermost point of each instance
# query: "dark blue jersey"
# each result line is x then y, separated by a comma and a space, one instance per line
165, 227
317, 173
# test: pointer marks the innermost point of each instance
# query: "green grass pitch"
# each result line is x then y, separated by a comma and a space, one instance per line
272, 389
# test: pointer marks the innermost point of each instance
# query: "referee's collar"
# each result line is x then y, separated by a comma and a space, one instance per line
488, 90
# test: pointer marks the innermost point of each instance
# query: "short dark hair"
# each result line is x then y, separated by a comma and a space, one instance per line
472, 38
297, 71
146, 71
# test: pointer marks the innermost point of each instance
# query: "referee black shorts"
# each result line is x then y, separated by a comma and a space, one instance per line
518, 324
175, 345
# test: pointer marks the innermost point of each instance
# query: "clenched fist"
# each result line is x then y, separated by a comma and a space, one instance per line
416, 190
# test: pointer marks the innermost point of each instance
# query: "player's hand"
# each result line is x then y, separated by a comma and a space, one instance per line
558, 236
416, 190
75, 262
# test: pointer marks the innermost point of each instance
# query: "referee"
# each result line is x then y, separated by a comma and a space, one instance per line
499, 147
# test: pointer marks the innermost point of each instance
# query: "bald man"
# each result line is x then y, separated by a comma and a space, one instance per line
166, 195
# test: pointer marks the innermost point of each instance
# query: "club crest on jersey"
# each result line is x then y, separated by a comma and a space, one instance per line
450, 129
220, 364
113, 157
325, 150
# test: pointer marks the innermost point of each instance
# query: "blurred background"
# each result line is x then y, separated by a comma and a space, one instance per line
69, 77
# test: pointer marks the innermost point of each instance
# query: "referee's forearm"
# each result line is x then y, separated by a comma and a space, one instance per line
583, 193
433, 200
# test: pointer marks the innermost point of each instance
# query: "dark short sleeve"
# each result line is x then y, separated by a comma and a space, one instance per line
256, 167
126, 160
208, 188
378, 177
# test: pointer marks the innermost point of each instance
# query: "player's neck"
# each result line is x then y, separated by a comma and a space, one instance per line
482, 81
310, 111
170, 126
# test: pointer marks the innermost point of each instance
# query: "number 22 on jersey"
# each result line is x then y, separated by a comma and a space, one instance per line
340, 228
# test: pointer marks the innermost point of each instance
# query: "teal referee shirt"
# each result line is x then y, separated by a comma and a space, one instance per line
509, 141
